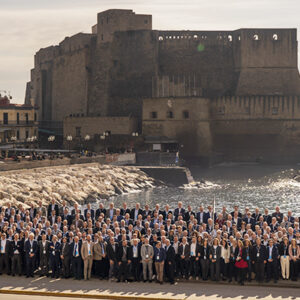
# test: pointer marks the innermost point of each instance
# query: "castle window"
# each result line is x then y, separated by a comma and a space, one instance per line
255, 37
275, 37
186, 114
170, 114
78, 131
195, 36
239, 37
101, 37
35, 117
160, 38
230, 38
18, 134
26, 134
18, 118
153, 115
274, 110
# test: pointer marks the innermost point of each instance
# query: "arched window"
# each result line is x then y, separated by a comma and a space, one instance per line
275, 37
170, 114
255, 37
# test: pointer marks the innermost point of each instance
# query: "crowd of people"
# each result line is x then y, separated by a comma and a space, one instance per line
146, 244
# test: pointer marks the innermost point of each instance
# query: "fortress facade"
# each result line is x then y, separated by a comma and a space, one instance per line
248, 81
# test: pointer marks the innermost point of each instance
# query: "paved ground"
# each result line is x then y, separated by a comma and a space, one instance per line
112, 290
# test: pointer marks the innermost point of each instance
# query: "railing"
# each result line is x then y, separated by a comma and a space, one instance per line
16, 123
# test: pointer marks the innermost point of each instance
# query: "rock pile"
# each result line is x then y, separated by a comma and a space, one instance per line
76, 184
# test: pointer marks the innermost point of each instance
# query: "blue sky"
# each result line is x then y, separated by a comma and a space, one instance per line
28, 25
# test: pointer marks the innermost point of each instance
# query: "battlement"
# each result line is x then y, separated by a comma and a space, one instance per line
113, 20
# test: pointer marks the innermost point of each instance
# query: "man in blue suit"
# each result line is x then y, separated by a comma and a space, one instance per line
31, 248
272, 267
75, 253
54, 251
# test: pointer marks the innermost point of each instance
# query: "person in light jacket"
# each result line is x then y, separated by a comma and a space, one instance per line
147, 253
87, 257
224, 261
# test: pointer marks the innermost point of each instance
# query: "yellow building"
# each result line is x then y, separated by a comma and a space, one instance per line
16, 120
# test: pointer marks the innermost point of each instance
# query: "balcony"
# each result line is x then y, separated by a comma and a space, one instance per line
20, 123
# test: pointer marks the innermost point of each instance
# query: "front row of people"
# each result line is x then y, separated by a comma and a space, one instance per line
81, 256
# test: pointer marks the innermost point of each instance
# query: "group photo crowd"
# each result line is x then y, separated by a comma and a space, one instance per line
149, 244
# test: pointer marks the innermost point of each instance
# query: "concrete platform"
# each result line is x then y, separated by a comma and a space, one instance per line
96, 289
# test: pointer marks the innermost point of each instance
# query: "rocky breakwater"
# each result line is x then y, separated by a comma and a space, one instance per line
76, 184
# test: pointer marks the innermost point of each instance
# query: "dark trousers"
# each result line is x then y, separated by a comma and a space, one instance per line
30, 265
16, 264
44, 264
177, 265
272, 270
294, 265
204, 268
194, 266
77, 267
4, 263
224, 268
215, 270
123, 270
65, 263
242, 274
185, 267
54, 264
170, 271
259, 271
232, 272
135, 268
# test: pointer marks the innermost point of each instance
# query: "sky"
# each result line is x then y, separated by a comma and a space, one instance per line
28, 25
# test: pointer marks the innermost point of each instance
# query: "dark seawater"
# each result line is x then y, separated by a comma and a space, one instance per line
251, 185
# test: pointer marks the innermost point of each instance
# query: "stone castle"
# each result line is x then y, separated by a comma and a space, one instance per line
248, 81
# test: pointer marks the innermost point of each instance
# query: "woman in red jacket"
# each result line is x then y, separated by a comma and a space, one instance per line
241, 262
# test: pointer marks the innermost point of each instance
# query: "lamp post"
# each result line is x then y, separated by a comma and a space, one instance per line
51, 139
69, 139
86, 139
13, 139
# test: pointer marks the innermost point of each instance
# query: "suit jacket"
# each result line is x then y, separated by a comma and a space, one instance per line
198, 217
84, 250
250, 221
55, 208
111, 254
108, 213
55, 251
13, 247
65, 250
186, 251
140, 212
262, 254
72, 248
28, 248
150, 252
97, 251
159, 254
216, 252
204, 252
99, 212
7, 246
274, 254
209, 215
120, 252
187, 215
176, 212
42, 248
92, 213
170, 255
123, 211
278, 216
79, 223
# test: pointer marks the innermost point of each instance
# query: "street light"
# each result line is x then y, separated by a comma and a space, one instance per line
69, 139
135, 134
51, 139
87, 138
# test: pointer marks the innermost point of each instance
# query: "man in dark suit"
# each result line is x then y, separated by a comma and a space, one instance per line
5, 252
111, 211
277, 214
52, 206
54, 252
256, 215
65, 257
111, 250
188, 213
135, 212
200, 215
267, 217
170, 262
100, 210
194, 257
124, 258
89, 210
146, 212
209, 215
249, 220
179, 211
75, 253
236, 209
31, 250
237, 220
16, 252
43, 246
184, 253
259, 259
52, 218
66, 216
124, 210
272, 258
136, 259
